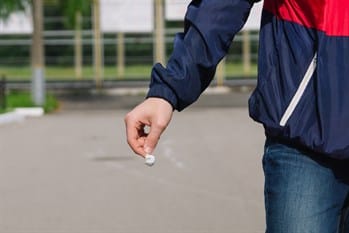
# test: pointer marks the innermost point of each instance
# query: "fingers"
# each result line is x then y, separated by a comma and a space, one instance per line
140, 142
135, 135
153, 137
153, 112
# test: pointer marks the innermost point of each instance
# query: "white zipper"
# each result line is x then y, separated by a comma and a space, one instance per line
299, 93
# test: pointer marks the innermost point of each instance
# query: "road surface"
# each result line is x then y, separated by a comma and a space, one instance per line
72, 172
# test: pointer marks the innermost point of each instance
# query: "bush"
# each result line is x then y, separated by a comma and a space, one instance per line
15, 99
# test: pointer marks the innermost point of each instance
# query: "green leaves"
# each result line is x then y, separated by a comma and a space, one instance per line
9, 6
71, 7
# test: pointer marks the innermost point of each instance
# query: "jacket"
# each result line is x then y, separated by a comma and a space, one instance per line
302, 92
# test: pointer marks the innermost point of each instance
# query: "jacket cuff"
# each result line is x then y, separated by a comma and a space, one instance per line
163, 92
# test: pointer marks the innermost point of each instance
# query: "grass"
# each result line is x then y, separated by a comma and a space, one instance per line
16, 99
56, 72
23, 99
110, 72
236, 70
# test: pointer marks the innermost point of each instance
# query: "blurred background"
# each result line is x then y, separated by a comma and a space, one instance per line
85, 63
100, 43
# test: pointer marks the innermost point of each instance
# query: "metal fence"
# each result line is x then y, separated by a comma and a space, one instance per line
59, 55
138, 55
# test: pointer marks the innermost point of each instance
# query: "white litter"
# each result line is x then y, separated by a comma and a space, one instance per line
149, 160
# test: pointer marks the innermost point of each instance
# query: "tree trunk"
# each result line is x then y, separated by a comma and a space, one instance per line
37, 55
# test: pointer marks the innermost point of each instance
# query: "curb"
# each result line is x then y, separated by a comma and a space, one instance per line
129, 98
19, 115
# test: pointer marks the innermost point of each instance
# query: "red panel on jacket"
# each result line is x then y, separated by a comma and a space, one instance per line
330, 16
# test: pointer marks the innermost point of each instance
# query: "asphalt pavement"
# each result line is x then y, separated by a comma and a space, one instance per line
72, 172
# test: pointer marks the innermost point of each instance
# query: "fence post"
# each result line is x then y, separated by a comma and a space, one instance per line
120, 55
159, 33
97, 44
246, 48
3, 92
220, 73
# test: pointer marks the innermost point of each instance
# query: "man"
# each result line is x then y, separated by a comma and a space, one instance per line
301, 98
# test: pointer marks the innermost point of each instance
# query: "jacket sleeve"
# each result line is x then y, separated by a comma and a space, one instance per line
209, 28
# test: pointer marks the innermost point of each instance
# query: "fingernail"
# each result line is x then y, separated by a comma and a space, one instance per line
147, 150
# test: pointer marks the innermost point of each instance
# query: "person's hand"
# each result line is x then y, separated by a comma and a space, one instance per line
153, 112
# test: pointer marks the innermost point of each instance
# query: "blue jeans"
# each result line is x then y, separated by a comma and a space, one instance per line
304, 192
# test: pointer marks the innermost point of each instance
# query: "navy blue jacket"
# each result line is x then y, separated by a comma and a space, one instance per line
302, 93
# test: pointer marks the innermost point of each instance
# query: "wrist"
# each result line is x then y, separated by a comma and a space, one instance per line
164, 93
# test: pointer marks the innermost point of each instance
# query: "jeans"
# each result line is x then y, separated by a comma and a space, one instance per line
304, 192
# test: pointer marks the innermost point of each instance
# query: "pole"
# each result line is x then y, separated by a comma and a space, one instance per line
120, 55
37, 55
159, 32
246, 50
78, 45
97, 49
220, 74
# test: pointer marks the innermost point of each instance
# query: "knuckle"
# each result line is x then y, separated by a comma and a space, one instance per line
160, 125
128, 117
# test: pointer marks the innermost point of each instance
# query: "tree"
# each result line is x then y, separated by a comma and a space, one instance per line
7, 7
38, 54
73, 10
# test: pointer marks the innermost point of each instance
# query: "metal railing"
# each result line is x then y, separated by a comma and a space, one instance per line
106, 84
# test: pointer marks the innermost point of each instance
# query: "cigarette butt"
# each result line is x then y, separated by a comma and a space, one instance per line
149, 160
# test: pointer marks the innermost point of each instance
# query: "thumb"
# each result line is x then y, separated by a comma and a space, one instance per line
152, 139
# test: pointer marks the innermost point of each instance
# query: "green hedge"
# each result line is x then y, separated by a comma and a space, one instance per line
16, 99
